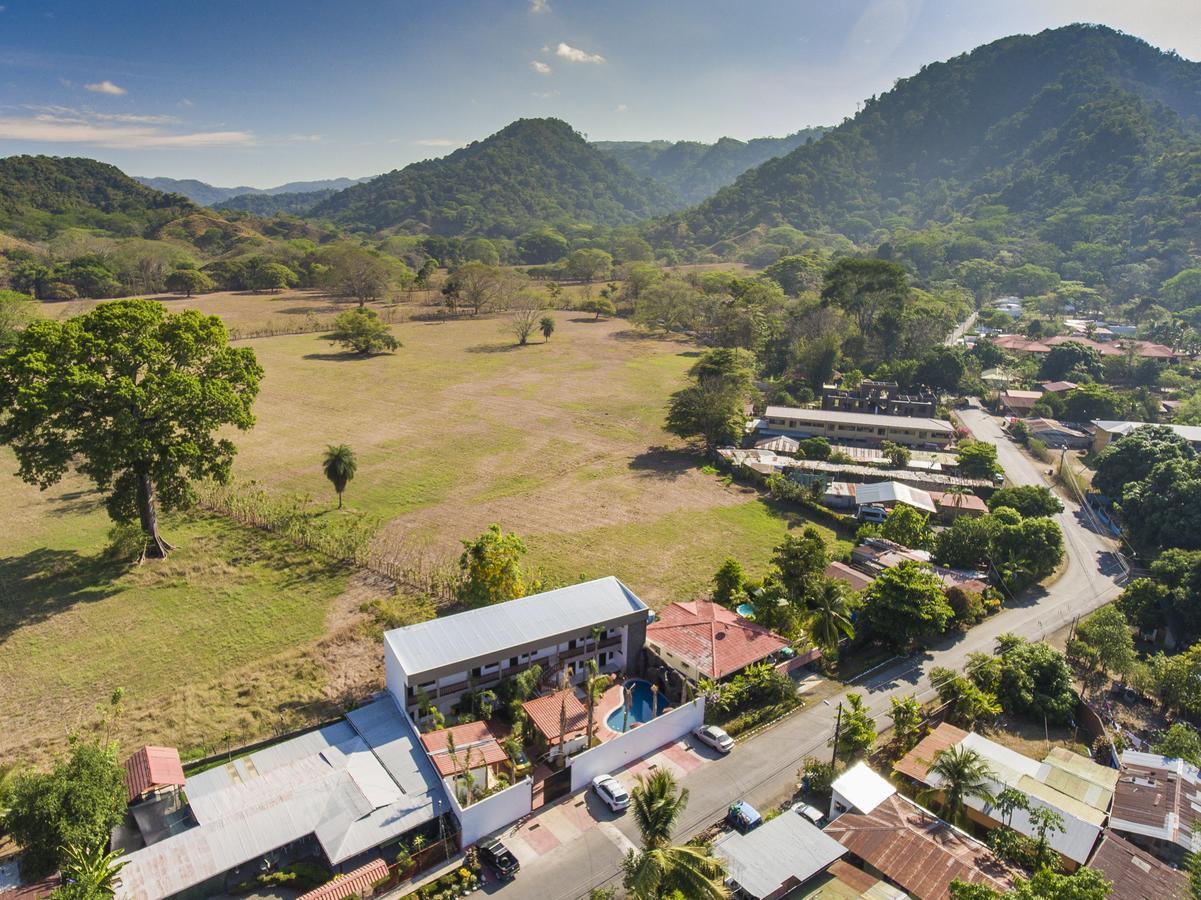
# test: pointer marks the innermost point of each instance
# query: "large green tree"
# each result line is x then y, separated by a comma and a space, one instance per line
904, 604
712, 407
491, 567
363, 332
339, 465
866, 289
77, 803
132, 397
1131, 458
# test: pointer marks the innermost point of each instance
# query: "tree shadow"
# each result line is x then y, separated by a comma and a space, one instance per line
588, 320
40, 584
664, 463
637, 334
76, 503
305, 310
496, 348
343, 356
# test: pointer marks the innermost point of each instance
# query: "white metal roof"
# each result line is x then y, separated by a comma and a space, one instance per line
1120, 428
862, 787
334, 783
856, 418
894, 492
493, 630
787, 850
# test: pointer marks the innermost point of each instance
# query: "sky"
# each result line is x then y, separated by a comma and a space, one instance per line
261, 92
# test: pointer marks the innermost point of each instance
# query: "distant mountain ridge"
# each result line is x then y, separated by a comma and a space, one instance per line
1080, 146
694, 171
531, 173
205, 194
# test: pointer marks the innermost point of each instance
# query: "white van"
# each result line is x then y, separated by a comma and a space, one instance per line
873, 514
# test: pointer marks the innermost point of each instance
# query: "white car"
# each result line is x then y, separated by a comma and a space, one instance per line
714, 737
611, 791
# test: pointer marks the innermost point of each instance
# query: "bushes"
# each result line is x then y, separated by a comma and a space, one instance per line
759, 684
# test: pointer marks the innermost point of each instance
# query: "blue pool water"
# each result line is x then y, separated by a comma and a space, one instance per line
746, 610
641, 697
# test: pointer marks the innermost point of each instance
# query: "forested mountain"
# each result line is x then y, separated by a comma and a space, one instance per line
294, 203
533, 172
694, 171
1076, 149
43, 195
207, 195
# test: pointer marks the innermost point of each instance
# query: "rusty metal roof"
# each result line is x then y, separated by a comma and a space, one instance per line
917, 762
1135, 873
151, 768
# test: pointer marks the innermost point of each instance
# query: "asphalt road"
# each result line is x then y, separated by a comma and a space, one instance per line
763, 768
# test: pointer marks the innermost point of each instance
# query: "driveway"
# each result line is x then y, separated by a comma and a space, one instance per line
764, 768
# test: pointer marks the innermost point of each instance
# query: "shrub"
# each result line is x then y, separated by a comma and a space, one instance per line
819, 774
126, 543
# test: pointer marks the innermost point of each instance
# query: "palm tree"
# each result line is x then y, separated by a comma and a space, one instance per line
661, 868
339, 465
93, 870
594, 689
830, 619
627, 699
957, 492
961, 774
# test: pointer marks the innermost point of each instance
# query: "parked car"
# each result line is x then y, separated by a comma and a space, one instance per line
813, 814
500, 858
873, 514
714, 737
611, 791
743, 817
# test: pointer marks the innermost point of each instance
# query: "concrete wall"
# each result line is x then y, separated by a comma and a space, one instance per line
492, 813
637, 743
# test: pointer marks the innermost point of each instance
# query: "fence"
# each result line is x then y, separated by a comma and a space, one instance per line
492, 813
636, 743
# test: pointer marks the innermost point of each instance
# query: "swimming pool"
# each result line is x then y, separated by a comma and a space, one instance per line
641, 698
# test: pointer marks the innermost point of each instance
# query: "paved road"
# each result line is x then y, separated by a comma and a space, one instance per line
961, 329
763, 769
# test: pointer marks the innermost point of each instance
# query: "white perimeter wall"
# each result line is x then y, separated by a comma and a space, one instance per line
492, 813
637, 743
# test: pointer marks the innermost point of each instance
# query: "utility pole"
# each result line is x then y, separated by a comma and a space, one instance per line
837, 732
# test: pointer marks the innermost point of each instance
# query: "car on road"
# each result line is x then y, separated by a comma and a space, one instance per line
743, 817
714, 737
500, 858
611, 791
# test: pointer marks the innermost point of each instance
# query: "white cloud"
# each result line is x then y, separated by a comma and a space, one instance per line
105, 87
185, 103
575, 55
64, 126
540, 67
438, 142
621, 107
306, 138
544, 95
536, 6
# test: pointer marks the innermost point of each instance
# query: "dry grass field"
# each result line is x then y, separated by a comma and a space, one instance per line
239, 633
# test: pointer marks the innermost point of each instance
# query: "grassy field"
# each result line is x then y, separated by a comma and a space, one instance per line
240, 634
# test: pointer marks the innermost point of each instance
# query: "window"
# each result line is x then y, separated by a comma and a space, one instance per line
512, 662
571, 644
477, 672
427, 686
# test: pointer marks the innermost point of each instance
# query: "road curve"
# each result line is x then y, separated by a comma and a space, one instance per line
763, 768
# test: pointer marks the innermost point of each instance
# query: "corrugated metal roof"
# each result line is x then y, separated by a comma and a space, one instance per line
1135, 873
150, 768
893, 492
854, 418
1121, 429
353, 790
788, 850
493, 630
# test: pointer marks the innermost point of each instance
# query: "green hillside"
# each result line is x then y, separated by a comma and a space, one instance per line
296, 203
43, 195
531, 173
1076, 149
694, 171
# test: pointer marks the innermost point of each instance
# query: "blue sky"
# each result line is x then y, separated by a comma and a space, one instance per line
261, 92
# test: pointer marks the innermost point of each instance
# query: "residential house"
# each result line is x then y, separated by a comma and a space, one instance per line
435, 662
701, 639
468, 752
852, 578
1157, 803
840, 426
1135, 873
340, 793
951, 506
151, 772
1071, 785
1109, 430
842, 881
911, 848
777, 858
875, 554
1057, 387
562, 720
888, 494
839, 494
1056, 434
1019, 403
1143, 349
997, 378
880, 398
780, 443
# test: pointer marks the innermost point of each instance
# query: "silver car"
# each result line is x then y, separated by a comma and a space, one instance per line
611, 791
714, 737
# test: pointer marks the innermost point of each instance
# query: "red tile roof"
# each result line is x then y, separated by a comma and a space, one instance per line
714, 639
918, 851
546, 712
150, 768
917, 762
357, 883
476, 740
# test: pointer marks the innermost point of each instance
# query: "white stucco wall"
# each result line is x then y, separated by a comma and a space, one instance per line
493, 813
637, 743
